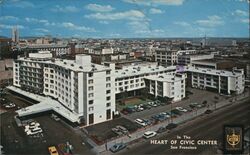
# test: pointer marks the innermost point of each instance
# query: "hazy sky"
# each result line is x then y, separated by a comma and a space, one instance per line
125, 18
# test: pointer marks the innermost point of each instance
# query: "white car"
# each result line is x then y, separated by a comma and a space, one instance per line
141, 122
181, 109
34, 131
33, 125
149, 134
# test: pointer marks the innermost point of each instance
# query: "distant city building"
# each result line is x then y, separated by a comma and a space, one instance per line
15, 34
214, 64
6, 72
57, 50
166, 57
186, 59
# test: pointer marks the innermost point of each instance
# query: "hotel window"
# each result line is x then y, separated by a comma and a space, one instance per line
107, 72
91, 108
91, 94
108, 98
108, 85
132, 81
108, 104
90, 74
91, 88
108, 91
91, 81
91, 102
107, 78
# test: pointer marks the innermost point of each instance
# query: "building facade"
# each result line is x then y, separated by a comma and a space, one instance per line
224, 82
82, 87
165, 56
171, 85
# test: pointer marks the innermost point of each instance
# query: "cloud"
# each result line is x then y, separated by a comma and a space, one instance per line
245, 1
41, 30
20, 4
3, 26
212, 21
72, 26
143, 28
8, 18
129, 15
240, 13
155, 2
103, 22
181, 23
99, 8
246, 20
35, 20
67, 9
155, 11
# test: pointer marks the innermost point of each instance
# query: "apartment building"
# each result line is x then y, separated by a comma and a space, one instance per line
131, 79
225, 82
166, 57
171, 85
84, 88
56, 50
185, 59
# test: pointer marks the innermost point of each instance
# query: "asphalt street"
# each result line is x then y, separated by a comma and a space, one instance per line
207, 127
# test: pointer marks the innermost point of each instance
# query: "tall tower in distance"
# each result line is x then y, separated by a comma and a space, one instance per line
15, 34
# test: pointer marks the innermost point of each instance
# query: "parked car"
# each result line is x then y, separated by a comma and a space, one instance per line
53, 150
152, 104
117, 147
122, 129
117, 131
146, 106
33, 125
162, 129
147, 121
175, 112
193, 105
166, 114
34, 131
149, 134
208, 111
171, 126
10, 105
140, 122
181, 109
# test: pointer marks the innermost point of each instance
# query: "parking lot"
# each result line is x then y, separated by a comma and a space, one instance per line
14, 139
194, 96
103, 131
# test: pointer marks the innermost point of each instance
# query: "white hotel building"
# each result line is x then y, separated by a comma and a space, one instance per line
88, 91
83, 88
171, 85
225, 82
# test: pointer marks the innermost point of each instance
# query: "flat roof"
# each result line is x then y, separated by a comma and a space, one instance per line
211, 60
166, 77
46, 104
212, 71
69, 64
134, 70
